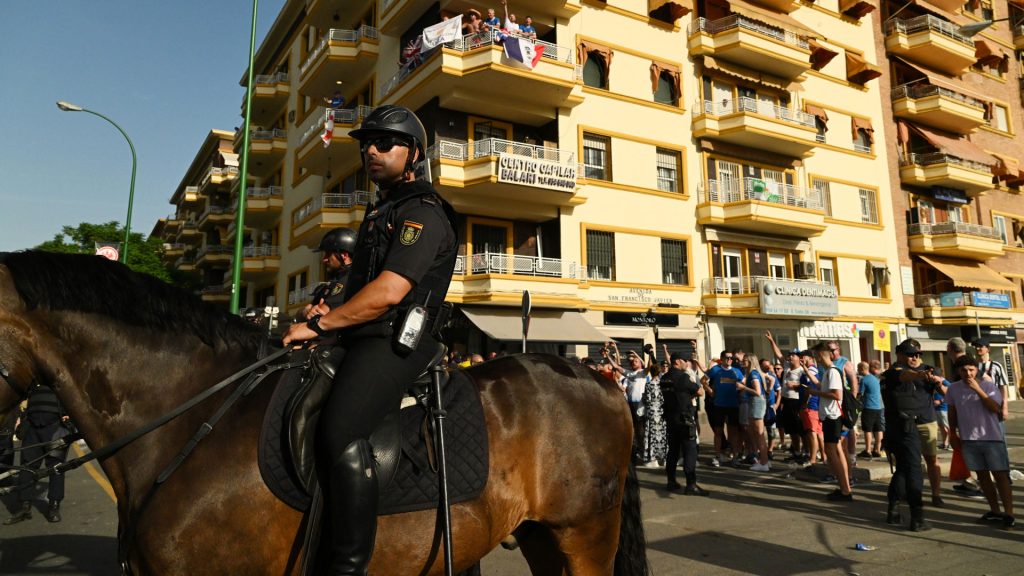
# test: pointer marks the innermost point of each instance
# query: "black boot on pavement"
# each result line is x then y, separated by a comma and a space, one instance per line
892, 514
20, 516
917, 523
53, 512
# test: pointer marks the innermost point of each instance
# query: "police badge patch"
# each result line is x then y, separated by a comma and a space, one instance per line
410, 232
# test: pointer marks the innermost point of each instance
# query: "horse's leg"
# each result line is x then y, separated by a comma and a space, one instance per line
540, 549
590, 548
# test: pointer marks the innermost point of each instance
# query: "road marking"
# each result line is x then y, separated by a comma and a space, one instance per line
96, 474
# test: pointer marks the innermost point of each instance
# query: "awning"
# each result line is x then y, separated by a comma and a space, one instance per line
769, 17
658, 68
819, 113
737, 72
877, 264
856, 8
859, 70
679, 334
952, 145
987, 51
941, 81
1007, 167
965, 274
229, 159
822, 55
945, 8
668, 12
858, 124
624, 332
584, 49
565, 326
746, 153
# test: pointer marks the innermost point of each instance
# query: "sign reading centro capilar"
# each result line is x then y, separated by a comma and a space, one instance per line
537, 173
788, 298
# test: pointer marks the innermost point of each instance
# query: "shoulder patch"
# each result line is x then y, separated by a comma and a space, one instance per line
411, 232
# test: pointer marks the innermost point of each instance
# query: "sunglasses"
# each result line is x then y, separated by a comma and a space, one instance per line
914, 355
728, 358
383, 144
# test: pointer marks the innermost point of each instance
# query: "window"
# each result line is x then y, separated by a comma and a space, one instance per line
668, 170
820, 125
925, 212
986, 10
600, 255
878, 279
729, 185
868, 206
1000, 119
863, 141
490, 239
593, 70
777, 265
666, 92
673, 262
821, 187
596, 156
999, 223
827, 270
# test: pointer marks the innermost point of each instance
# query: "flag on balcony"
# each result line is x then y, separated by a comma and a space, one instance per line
411, 53
328, 128
446, 31
522, 51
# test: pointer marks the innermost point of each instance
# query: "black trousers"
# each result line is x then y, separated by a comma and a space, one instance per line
907, 481
682, 438
639, 424
36, 457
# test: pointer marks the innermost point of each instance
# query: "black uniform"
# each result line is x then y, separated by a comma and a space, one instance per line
332, 292
679, 391
42, 423
412, 233
906, 405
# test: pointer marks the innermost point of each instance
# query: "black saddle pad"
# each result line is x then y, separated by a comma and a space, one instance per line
414, 486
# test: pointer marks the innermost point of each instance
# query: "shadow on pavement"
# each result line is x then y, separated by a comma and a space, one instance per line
59, 554
700, 546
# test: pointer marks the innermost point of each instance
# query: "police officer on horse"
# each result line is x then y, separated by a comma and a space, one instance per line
336, 247
403, 263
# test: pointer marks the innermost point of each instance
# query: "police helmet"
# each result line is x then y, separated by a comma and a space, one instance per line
397, 121
338, 240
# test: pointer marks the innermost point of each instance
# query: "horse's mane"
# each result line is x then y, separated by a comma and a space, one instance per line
96, 285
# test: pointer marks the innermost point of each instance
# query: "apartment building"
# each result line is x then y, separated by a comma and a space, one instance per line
667, 172
954, 158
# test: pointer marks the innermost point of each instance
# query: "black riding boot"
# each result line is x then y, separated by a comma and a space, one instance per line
352, 502
892, 514
917, 523
21, 515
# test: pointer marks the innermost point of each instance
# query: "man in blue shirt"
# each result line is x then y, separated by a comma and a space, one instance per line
528, 30
723, 378
871, 422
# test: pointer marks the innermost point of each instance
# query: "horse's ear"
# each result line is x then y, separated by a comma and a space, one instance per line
9, 299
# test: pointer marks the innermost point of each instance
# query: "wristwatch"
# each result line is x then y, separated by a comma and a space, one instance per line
314, 325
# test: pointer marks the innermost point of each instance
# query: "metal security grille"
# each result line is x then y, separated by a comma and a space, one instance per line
868, 206
595, 156
821, 186
668, 170
673, 261
600, 255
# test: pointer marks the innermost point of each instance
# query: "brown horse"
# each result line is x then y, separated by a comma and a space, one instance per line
122, 348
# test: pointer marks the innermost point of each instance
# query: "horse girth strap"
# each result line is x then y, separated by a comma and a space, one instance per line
127, 439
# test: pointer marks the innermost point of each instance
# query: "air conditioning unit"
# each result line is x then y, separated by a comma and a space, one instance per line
806, 270
915, 313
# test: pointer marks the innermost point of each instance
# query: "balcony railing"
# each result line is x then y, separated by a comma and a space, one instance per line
499, 263
340, 116
302, 295
267, 134
738, 190
955, 228
261, 252
742, 22
264, 192
173, 247
271, 78
920, 90
478, 40
191, 190
928, 22
456, 150
342, 200
216, 211
215, 249
218, 171
187, 259
732, 285
337, 35
727, 106
930, 158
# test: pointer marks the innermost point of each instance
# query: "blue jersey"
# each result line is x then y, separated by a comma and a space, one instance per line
871, 389
812, 401
723, 382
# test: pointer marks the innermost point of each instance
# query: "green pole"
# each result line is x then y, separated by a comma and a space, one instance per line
236, 273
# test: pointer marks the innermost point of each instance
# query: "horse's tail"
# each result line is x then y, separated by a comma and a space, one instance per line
631, 558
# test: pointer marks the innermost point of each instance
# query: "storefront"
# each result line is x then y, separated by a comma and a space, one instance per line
486, 329
634, 330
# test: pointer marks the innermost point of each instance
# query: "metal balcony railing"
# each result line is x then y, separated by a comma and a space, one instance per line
224, 172
457, 150
732, 285
261, 252
212, 249
302, 295
264, 135
271, 78
193, 190
931, 158
338, 35
935, 300
955, 228
931, 23
735, 21
738, 190
727, 106
264, 192
921, 90
347, 116
173, 247
185, 259
500, 263
342, 200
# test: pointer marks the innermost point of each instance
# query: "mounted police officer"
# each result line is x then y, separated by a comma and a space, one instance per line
403, 263
44, 421
336, 247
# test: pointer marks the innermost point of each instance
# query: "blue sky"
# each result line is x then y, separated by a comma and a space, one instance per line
167, 72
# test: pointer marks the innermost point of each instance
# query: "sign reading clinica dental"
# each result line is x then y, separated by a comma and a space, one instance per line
515, 169
788, 298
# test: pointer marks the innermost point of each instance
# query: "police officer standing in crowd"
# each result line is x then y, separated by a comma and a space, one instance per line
680, 390
44, 421
403, 263
336, 248
907, 389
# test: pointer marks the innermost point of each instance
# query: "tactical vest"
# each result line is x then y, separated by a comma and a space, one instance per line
332, 291
44, 408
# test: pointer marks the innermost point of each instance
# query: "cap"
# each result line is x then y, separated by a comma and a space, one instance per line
977, 342
907, 348
807, 352
677, 356
794, 352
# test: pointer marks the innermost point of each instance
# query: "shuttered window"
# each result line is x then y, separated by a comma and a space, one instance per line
668, 170
673, 262
596, 157
600, 255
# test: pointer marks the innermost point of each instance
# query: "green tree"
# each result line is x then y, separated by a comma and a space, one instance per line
144, 254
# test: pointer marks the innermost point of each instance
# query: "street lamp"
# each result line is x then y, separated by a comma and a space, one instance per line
69, 107
970, 30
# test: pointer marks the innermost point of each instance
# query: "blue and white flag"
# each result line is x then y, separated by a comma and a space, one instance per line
522, 51
442, 32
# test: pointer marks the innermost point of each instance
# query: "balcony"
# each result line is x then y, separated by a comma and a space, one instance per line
398, 15
322, 14
957, 239
191, 195
216, 294
313, 156
216, 215
480, 177
941, 169
743, 295
499, 277
327, 211
186, 263
173, 250
212, 254
302, 296
214, 177
965, 307
269, 95
473, 69
759, 125
189, 233
754, 205
751, 43
266, 149
1018, 36
932, 42
260, 261
263, 205
347, 55
938, 107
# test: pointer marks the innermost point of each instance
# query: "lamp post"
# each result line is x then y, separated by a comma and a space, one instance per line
69, 107
236, 268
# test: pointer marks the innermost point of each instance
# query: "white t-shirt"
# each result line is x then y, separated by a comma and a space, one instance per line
828, 408
636, 382
792, 375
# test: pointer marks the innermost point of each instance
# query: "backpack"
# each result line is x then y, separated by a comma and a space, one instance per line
851, 405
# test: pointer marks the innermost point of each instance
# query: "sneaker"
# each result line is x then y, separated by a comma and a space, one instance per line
828, 479
694, 490
1009, 521
751, 459
761, 468
715, 463
968, 491
864, 454
838, 496
736, 461
990, 517
876, 454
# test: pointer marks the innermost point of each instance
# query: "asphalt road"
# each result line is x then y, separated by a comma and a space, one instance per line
775, 523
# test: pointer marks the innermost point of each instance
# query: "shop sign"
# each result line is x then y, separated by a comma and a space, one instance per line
515, 169
787, 298
993, 335
950, 195
641, 319
822, 330
990, 300
951, 299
